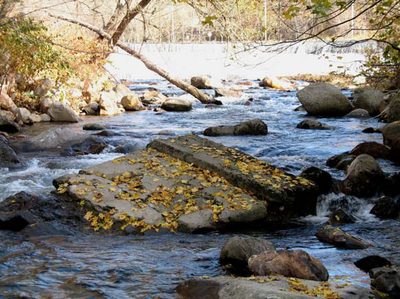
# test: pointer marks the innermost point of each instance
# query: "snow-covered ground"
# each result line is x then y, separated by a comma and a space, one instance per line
220, 61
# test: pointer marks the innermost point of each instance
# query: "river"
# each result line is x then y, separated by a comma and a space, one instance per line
101, 266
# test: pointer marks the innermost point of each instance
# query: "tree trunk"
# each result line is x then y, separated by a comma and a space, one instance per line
201, 96
118, 15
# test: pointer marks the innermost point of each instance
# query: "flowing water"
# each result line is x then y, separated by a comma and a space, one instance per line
101, 266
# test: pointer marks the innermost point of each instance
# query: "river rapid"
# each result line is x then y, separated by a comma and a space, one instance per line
101, 266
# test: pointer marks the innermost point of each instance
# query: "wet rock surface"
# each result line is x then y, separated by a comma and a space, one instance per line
155, 189
339, 238
386, 280
250, 127
386, 208
341, 217
266, 287
370, 262
312, 125
237, 251
321, 178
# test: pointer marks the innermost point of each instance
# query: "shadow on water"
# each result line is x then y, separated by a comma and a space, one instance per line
101, 266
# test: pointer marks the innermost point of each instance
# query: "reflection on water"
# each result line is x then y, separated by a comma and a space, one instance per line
87, 266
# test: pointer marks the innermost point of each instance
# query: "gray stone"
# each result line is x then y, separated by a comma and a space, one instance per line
374, 149
205, 82
312, 125
22, 114
392, 111
228, 92
153, 97
275, 287
44, 118
364, 177
93, 127
59, 112
8, 157
176, 104
324, 99
250, 127
6, 124
370, 100
391, 138
196, 222
108, 104
121, 90
45, 104
6, 102
386, 280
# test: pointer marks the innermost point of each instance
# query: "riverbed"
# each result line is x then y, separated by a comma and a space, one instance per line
100, 266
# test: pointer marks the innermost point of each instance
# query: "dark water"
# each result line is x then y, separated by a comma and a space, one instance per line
98, 266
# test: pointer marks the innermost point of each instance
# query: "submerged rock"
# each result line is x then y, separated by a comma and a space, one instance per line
339, 238
270, 287
237, 251
183, 175
324, 99
312, 125
250, 127
298, 264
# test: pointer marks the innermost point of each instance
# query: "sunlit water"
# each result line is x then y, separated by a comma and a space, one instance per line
93, 266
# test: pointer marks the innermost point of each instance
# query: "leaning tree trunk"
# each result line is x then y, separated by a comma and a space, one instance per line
201, 96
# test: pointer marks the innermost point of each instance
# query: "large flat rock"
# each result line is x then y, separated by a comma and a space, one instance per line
276, 287
168, 185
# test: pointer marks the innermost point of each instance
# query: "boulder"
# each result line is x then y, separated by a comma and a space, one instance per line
324, 99
358, 113
59, 112
313, 125
127, 148
8, 157
372, 261
299, 109
7, 115
386, 280
321, 178
341, 217
131, 102
370, 100
392, 112
371, 130
386, 208
35, 118
254, 213
228, 92
237, 251
22, 114
6, 102
341, 161
288, 263
271, 287
153, 97
205, 82
9, 126
176, 104
364, 177
108, 103
391, 138
250, 127
373, 149
93, 127
391, 185
45, 104
339, 238
121, 90
196, 222
280, 84
44, 118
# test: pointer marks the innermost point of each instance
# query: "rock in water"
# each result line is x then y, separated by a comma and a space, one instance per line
312, 125
8, 158
364, 177
391, 138
179, 176
358, 113
341, 217
108, 103
176, 104
370, 100
250, 127
370, 262
324, 99
386, 280
238, 250
280, 84
59, 112
392, 112
131, 102
7, 124
205, 82
321, 178
288, 263
339, 238
374, 149
386, 208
